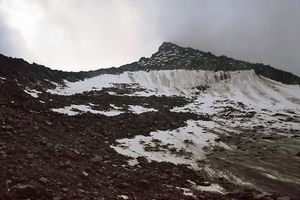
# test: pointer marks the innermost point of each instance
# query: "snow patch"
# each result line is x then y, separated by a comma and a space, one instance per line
186, 191
32, 92
141, 109
77, 109
125, 197
212, 188
180, 146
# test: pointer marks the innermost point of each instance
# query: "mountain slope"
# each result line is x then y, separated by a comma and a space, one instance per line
171, 56
182, 124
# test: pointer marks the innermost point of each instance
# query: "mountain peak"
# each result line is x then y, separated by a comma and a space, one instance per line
167, 46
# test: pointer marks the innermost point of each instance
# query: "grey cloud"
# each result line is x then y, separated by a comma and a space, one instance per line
97, 33
258, 31
10, 42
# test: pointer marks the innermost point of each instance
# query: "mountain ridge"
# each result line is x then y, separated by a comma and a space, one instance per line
169, 56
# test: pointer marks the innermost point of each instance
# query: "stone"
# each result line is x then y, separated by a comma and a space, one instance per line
8, 182
143, 184
124, 186
283, 198
7, 128
25, 190
96, 159
43, 180
84, 173
29, 156
68, 164
205, 183
57, 198
3, 155
48, 123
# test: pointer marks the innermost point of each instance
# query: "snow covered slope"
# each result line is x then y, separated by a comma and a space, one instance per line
244, 86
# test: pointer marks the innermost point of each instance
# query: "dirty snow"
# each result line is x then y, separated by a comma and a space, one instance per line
244, 86
77, 109
125, 197
211, 188
180, 146
32, 92
186, 191
141, 109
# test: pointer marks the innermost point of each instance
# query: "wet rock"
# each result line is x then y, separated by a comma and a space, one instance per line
25, 190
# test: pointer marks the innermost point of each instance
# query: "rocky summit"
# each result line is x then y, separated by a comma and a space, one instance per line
181, 124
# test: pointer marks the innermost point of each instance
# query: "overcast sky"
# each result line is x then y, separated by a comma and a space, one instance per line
78, 35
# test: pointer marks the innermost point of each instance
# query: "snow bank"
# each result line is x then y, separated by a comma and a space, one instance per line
76, 109
243, 86
181, 146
